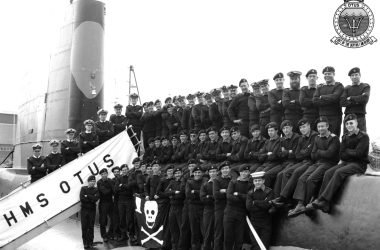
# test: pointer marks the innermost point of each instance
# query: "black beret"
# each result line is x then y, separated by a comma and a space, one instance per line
286, 123
244, 167
145, 104
224, 88
118, 106
151, 139
190, 97
213, 166
322, 119
124, 166
255, 85
164, 138
215, 92
294, 73
157, 138
180, 98
155, 162
168, 99
271, 125
199, 94
254, 127
91, 178
177, 169
353, 71
350, 117
137, 159
212, 128
171, 166
134, 95
234, 129
202, 131
183, 132
303, 121
207, 96
263, 82
310, 72
223, 129
157, 101
174, 137
193, 131
232, 87
175, 98
223, 164
197, 168
149, 104
328, 69
243, 80
115, 168
169, 105
103, 170
278, 75
192, 161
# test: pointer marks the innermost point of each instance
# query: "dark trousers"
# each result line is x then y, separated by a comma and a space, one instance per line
105, 212
278, 185
335, 177
309, 180
195, 217
335, 124
185, 234
218, 228
126, 213
291, 176
264, 230
271, 170
234, 225
115, 225
208, 227
87, 219
263, 122
175, 221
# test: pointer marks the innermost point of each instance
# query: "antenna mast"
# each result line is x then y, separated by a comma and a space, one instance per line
133, 85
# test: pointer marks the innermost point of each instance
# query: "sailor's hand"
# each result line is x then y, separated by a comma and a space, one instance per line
192, 191
228, 154
156, 196
238, 121
33, 168
223, 190
279, 101
177, 192
269, 153
348, 98
293, 101
236, 193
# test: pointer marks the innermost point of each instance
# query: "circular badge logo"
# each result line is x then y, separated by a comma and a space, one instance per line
353, 22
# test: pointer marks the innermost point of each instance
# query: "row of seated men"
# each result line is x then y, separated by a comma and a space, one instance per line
223, 107
209, 202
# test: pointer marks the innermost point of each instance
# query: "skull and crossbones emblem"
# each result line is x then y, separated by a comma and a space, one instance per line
151, 211
152, 236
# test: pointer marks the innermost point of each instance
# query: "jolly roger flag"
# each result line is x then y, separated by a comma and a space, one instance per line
152, 221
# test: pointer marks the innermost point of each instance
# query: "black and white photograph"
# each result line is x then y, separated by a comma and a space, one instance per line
189, 125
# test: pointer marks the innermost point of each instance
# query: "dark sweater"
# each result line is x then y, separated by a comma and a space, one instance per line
148, 123
125, 187
253, 111
263, 106
210, 152
304, 146
104, 130
274, 96
164, 183
175, 199
205, 117
238, 108
181, 153
106, 188
354, 148
166, 154
326, 149
291, 110
238, 147
193, 185
88, 141
119, 122
289, 144
89, 197
237, 202
258, 205
359, 96
69, 150
252, 150
53, 162
327, 98
215, 115
226, 118
206, 194
202, 150
220, 198
133, 115
273, 146
193, 150
306, 101
151, 186
223, 148
39, 170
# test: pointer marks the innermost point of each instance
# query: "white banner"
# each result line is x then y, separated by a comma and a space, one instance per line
28, 208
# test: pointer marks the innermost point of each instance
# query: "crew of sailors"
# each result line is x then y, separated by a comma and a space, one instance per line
248, 154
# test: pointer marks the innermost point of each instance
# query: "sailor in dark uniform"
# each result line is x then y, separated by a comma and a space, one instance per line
103, 128
254, 115
327, 98
238, 109
133, 114
354, 160
106, 189
116, 233
36, 164
254, 145
88, 139
168, 100
202, 146
89, 195
55, 159
148, 123
197, 110
325, 153
310, 111
210, 151
263, 106
187, 121
355, 98
235, 212
181, 153
290, 100
118, 120
258, 205
193, 146
166, 151
224, 147
207, 197
70, 146
275, 99
236, 155
171, 124
227, 122
158, 117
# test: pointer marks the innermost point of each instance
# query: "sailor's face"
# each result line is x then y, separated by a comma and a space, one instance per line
279, 83
225, 134
183, 138
264, 88
124, 171
258, 182
102, 117
116, 173
287, 130
149, 170
329, 76
191, 102
165, 142
156, 169
37, 152
169, 173
272, 132
355, 78
312, 79
295, 82
157, 143
197, 175
174, 141
225, 170
212, 135
158, 105
244, 87
118, 111
351, 125
191, 167
235, 135
244, 174
232, 93
226, 94
70, 136
133, 101
256, 133
150, 108
322, 128
193, 137
91, 184
213, 173
136, 165
88, 127
202, 137
55, 148
104, 175
305, 129
177, 175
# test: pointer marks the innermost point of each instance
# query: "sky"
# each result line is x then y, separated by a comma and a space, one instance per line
180, 47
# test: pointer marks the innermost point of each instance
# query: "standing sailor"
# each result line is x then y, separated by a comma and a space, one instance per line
238, 109
275, 99
105, 186
55, 159
104, 128
118, 120
69, 146
290, 100
310, 111
88, 139
36, 164
254, 116
133, 114
263, 106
